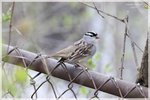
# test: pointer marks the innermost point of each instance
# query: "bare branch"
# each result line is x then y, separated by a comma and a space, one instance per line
115, 17
124, 46
98, 10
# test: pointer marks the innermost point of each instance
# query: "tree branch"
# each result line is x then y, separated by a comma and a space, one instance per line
114, 86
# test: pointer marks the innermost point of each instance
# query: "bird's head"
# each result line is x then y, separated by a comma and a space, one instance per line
90, 37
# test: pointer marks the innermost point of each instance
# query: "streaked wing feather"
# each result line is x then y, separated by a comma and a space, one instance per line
82, 52
75, 52
64, 52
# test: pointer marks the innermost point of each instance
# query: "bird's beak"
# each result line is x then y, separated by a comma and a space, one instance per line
97, 37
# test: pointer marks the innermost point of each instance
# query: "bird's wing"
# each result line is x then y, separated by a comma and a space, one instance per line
76, 51
65, 53
83, 50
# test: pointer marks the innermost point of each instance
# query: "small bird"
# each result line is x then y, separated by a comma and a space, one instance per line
80, 51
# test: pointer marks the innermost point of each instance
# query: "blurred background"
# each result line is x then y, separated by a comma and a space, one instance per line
46, 27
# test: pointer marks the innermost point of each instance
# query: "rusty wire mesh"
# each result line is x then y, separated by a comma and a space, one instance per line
71, 79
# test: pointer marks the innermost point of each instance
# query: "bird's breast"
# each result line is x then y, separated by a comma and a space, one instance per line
93, 50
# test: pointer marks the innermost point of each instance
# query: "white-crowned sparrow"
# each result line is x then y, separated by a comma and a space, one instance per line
80, 50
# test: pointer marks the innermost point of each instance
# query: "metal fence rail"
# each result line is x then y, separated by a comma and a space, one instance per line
91, 79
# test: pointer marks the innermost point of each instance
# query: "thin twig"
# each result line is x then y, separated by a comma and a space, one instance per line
146, 3
9, 92
98, 10
134, 42
122, 20
123, 51
134, 54
10, 25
